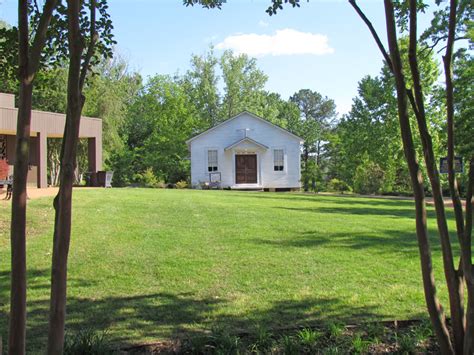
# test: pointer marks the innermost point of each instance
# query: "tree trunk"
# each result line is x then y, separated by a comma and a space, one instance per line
63, 201
17, 332
435, 310
467, 263
464, 231
453, 280
305, 163
28, 59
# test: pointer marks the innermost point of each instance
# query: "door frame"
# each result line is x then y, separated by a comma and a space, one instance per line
259, 166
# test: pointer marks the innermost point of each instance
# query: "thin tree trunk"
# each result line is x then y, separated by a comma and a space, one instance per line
467, 263
29, 59
63, 201
435, 310
448, 71
305, 161
453, 280
464, 231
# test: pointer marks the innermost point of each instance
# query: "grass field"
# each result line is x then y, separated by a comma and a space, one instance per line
150, 264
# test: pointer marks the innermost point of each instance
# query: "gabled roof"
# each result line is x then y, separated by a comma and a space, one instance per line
250, 114
246, 139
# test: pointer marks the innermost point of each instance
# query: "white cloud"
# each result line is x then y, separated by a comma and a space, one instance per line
262, 23
284, 42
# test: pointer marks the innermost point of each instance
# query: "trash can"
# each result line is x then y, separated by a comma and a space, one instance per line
104, 178
91, 178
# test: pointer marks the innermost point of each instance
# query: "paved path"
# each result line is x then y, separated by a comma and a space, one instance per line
34, 192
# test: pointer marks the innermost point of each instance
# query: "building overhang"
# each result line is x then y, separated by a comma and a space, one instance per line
246, 143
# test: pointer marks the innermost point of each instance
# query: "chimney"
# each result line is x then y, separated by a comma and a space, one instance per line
7, 100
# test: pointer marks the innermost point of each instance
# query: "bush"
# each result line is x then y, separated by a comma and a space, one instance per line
368, 178
148, 179
181, 184
336, 185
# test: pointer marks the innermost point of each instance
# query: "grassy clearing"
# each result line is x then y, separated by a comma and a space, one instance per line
150, 264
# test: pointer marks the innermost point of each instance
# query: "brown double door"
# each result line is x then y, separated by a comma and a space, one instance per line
246, 168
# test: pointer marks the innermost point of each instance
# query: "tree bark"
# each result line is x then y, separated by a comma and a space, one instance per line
467, 263
448, 71
435, 310
453, 280
464, 230
63, 201
305, 161
28, 66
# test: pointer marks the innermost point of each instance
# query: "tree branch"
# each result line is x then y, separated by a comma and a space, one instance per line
90, 50
382, 49
374, 33
40, 36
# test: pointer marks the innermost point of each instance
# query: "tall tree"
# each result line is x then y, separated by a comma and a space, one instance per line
242, 83
407, 13
83, 51
203, 81
17, 41
317, 114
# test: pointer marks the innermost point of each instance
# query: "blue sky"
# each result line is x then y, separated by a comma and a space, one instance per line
322, 46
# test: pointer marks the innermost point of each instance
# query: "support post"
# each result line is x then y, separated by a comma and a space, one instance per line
42, 160
94, 152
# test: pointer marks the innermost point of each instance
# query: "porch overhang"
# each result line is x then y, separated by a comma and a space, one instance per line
246, 143
45, 125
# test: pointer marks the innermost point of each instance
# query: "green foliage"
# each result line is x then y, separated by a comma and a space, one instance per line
308, 339
203, 81
148, 179
87, 341
263, 340
289, 345
464, 109
243, 82
336, 185
159, 121
335, 330
368, 178
109, 92
359, 345
181, 184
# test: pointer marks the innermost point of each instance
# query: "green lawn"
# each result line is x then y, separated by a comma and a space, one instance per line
149, 264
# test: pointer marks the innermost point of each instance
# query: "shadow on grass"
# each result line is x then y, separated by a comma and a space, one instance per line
164, 315
380, 241
385, 242
352, 205
342, 199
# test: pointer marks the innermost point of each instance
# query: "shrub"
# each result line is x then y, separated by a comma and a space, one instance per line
336, 185
148, 179
368, 178
87, 341
181, 184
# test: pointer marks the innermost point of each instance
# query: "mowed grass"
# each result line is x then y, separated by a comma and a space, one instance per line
150, 264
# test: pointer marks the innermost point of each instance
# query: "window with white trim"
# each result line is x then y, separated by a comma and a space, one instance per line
278, 159
212, 160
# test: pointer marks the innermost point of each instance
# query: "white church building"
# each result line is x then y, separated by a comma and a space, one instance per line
246, 152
